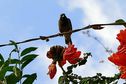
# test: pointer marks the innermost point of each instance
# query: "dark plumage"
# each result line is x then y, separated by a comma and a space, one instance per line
65, 26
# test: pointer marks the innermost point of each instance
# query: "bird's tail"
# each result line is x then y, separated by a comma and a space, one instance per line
68, 40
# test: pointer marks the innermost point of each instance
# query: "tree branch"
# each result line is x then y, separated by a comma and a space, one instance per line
94, 26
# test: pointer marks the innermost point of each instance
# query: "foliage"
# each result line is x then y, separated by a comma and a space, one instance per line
11, 69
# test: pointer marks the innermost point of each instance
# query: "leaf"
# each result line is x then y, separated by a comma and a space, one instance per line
82, 62
17, 71
1, 63
10, 61
26, 63
120, 21
30, 79
26, 75
69, 71
13, 61
4, 70
1, 60
5, 64
28, 50
12, 79
28, 57
1, 57
61, 80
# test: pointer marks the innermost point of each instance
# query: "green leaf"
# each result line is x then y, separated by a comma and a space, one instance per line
69, 71
5, 64
1, 57
13, 61
26, 63
12, 79
1, 60
17, 71
120, 21
74, 82
8, 62
28, 50
30, 79
61, 80
28, 57
4, 70
82, 62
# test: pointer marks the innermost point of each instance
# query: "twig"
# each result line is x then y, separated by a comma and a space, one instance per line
109, 51
94, 26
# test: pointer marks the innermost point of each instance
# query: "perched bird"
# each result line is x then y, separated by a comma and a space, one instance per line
65, 26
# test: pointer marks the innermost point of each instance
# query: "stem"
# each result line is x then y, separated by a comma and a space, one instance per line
66, 75
60, 34
64, 72
19, 64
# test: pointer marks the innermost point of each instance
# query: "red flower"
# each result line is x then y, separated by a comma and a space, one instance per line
119, 58
52, 70
123, 72
56, 54
122, 48
71, 54
60, 54
122, 37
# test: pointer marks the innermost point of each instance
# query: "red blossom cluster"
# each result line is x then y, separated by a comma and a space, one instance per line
119, 58
61, 55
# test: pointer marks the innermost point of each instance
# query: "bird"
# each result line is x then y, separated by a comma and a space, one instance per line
65, 26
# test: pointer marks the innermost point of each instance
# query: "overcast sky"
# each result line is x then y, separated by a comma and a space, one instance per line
24, 19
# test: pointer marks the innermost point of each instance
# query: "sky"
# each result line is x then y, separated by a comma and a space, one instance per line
24, 19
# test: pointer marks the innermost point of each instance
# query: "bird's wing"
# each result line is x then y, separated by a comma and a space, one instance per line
69, 23
59, 24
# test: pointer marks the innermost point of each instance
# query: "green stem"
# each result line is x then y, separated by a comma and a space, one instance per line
19, 64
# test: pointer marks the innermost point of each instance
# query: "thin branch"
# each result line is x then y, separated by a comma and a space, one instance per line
109, 51
94, 26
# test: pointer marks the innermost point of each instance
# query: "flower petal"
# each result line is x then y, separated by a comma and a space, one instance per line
71, 54
61, 63
49, 54
123, 75
122, 37
74, 61
52, 70
118, 59
122, 68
